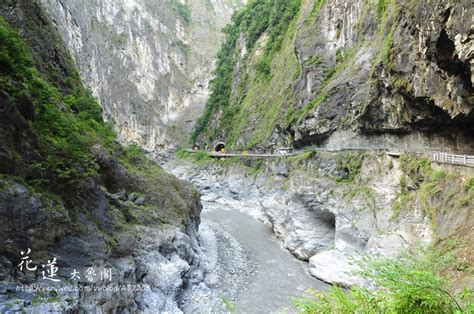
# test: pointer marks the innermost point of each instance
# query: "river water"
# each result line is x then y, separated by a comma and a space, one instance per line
250, 271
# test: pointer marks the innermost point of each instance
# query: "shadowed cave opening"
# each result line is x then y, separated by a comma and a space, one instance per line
447, 59
219, 147
326, 226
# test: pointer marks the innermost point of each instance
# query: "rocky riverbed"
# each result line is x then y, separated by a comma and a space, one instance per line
316, 211
248, 269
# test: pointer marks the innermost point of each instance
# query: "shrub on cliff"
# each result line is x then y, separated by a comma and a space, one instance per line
64, 124
251, 21
408, 284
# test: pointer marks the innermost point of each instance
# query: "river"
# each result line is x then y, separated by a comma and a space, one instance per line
250, 271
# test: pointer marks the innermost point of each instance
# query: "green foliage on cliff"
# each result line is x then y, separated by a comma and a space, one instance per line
470, 184
183, 11
65, 125
350, 164
14, 58
381, 7
53, 157
316, 7
252, 96
435, 192
271, 17
198, 158
408, 284
387, 11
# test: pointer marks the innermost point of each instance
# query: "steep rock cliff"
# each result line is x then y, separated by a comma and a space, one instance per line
358, 73
148, 62
72, 196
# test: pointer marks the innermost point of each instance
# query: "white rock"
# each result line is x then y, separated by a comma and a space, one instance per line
335, 267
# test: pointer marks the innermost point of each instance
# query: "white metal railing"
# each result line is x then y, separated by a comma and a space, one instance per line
450, 158
436, 156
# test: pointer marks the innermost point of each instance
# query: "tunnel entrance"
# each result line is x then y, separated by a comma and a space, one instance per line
220, 147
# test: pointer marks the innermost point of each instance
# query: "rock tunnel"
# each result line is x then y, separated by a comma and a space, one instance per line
219, 147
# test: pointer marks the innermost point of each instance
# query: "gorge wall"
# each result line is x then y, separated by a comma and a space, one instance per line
87, 225
291, 73
148, 62
331, 209
349, 73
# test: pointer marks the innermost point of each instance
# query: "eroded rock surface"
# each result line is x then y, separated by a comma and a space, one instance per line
318, 219
152, 255
75, 201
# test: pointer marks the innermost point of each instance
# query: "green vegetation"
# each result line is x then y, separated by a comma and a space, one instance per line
365, 193
230, 306
416, 168
167, 199
350, 164
199, 158
263, 67
265, 99
316, 7
257, 17
297, 160
434, 190
386, 9
470, 184
437, 175
408, 284
66, 124
342, 59
381, 7
183, 46
399, 83
183, 11
246, 107
250, 166
313, 61
45, 297
386, 50
297, 116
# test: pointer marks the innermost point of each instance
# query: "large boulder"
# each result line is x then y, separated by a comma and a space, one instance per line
336, 267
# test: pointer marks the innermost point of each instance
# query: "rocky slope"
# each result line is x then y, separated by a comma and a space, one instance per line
358, 73
355, 74
71, 196
331, 208
148, 62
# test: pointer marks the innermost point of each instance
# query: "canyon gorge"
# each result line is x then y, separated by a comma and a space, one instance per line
331, 107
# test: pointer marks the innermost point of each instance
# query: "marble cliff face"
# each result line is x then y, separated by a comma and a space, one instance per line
110, 209
354, 73
148, 62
